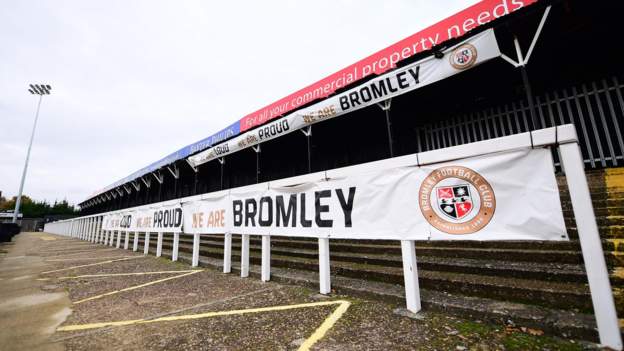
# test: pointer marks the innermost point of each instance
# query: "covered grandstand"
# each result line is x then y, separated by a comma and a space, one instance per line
553, 63
571, 76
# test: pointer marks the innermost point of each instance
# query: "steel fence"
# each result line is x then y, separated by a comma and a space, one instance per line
596, 109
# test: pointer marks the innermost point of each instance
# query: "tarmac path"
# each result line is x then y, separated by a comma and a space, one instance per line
61, 293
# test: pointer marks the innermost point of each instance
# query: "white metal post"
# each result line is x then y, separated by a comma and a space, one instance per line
244, 255
176, 246
94, 229
593, 256
82, 230
126, 240
135, 243
195, 261
146, 243
324, 278
227, 253
266, 258
410, 275
159, 244
118, 239
85, 228
89, 229
99, 233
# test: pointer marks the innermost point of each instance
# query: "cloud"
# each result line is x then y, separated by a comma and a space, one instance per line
134, 81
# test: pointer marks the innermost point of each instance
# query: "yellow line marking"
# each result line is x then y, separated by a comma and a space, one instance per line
86, 258
134, 287
74, 252
317, 335
329, 322
126, 274
47, 238
89, 265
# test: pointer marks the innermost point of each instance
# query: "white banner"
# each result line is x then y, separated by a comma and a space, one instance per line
116, 221
159, 219
476, 50
505, 196
208, 216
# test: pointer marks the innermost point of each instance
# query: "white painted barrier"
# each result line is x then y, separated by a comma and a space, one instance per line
562, 137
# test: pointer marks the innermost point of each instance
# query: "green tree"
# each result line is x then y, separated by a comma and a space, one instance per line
38, 209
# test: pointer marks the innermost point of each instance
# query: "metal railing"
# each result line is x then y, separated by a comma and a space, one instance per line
596, 109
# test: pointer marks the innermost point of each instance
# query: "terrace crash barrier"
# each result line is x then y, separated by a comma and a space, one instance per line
499, 189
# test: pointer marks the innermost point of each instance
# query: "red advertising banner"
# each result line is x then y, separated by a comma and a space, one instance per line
386, 59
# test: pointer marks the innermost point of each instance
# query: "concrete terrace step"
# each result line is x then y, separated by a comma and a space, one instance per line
484, 253
562, 323
603, 221
606, 232
524, 270
597, 203
598, 212
562, 295
596, 193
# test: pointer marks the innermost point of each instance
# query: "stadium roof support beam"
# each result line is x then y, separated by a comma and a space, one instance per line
159, 177
385, 106
175, 172
147, 182
308, 134
136, 185
191, 165
222, 163
521, 62
257, 150
127, 188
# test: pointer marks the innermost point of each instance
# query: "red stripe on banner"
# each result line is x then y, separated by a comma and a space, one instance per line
386, 59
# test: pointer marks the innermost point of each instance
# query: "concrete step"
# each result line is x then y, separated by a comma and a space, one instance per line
603, 221
596, 193
544, 271
597, 203
547, 293
563, 323
606, 232
482, 253
598, 212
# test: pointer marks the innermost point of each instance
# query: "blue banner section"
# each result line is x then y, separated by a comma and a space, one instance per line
226, 133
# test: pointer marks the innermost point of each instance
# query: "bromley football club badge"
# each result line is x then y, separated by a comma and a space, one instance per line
454, 201
457, 200
463, 56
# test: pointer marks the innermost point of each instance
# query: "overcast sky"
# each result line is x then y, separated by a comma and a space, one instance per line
133, 81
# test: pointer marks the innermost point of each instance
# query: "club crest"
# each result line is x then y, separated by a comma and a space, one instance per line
454, 201
457, 200
463, 57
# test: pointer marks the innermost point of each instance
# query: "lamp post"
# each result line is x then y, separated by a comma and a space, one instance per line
41, 90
